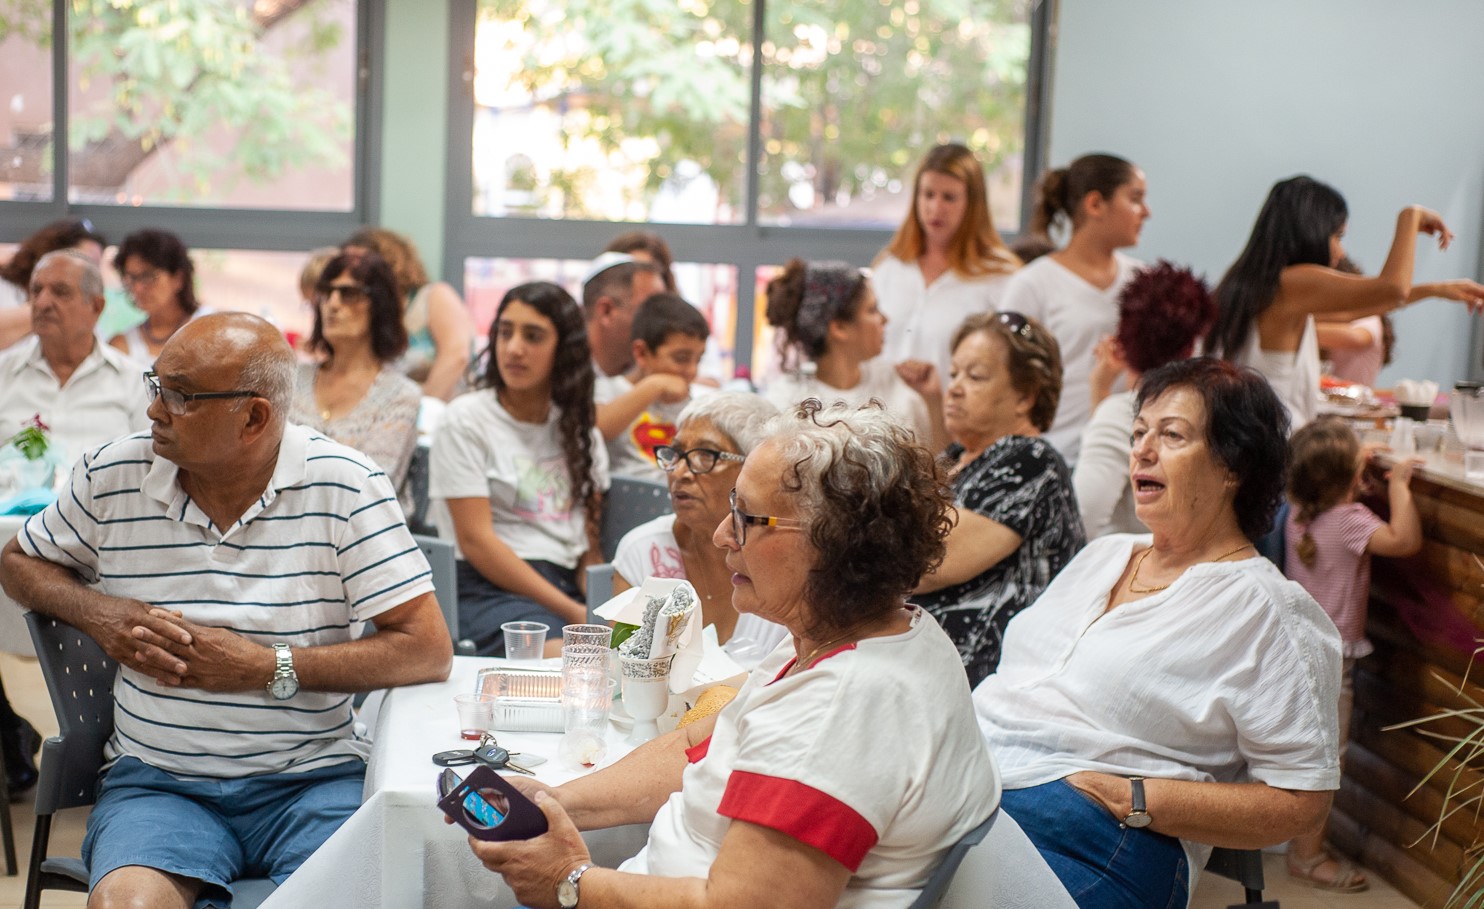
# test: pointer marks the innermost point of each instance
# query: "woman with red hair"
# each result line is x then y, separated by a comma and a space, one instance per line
1161, 313
945, 263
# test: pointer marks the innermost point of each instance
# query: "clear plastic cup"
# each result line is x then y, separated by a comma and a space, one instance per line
476, 714
597, 635
524, 641
587, 699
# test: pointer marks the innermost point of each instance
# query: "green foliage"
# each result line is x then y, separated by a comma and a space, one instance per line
32, 441
853, 93
182, 72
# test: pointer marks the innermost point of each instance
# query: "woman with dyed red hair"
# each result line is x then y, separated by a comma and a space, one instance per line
1161, 313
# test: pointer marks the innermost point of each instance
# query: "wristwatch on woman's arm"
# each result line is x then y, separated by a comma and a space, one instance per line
1138, 816
567, 887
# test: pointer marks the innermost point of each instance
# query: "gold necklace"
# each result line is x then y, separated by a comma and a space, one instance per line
804, 663
1134, 578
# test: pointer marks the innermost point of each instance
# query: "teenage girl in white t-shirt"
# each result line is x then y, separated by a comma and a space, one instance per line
945, 263
1074, 291
1286, 276
520, 468
830, 336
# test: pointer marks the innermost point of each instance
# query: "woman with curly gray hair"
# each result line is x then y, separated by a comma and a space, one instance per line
783, 797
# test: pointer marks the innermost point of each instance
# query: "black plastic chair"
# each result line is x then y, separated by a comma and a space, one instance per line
628, 504
1245, 867
7, 827
79, 677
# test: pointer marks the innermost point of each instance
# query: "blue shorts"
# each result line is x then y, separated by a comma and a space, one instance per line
216, 830
483, 607
1103, 864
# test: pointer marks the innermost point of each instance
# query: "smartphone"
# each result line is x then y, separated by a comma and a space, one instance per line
475, 803
465, 802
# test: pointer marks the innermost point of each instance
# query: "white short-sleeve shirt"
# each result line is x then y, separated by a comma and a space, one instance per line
879, 380
1078, 315
1231, 674
481, 451
103, 399
323, 549
870, 755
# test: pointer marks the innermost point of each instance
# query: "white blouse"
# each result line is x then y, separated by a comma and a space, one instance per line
921, 318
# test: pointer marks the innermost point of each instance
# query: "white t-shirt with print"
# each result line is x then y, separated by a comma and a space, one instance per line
631, 453
481, 451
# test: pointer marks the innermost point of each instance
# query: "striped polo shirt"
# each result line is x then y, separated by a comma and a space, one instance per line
324, 549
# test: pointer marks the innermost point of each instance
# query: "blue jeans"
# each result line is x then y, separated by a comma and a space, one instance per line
484, 607
216, 830
1103, 864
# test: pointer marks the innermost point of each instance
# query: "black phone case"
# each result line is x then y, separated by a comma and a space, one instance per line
522, 822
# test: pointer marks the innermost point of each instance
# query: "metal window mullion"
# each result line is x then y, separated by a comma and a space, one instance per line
60, 153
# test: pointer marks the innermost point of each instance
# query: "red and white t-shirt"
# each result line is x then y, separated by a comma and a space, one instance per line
1340, 578
871, 755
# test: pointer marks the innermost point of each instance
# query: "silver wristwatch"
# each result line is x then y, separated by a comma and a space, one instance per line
285, 683
567, 888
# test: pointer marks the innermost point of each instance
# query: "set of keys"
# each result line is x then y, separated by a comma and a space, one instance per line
489, 753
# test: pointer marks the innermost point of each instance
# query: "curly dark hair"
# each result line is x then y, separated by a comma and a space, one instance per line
388, 334
68, 233
1162, 312
877, 506
1246, 430
786, 298
1034, 363
165, 251
571, 382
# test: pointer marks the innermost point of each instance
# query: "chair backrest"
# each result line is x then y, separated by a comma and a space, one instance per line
628, 504
1241, 865
79, 676
440, 555
1005, 871
937, 885
599, 588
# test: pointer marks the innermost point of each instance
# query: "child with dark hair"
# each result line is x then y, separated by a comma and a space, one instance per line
637, 410
1330, 539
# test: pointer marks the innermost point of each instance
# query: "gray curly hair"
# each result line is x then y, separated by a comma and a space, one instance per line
744, 417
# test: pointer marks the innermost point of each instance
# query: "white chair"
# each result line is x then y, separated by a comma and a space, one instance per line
1006, 872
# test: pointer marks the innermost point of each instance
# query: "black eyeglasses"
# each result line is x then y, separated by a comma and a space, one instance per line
699, 460
142, 279
177, 402
350, 294
740, 520
1018, 324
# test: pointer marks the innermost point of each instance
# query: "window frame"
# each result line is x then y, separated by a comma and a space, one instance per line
215, 227
748, 246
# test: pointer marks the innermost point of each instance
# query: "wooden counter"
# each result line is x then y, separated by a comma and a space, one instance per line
1426, 619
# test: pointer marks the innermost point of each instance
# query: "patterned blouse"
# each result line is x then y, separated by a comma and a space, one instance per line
383, 425
1022, 483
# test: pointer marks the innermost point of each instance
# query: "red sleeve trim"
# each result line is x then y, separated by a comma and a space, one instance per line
802, 812
696, 752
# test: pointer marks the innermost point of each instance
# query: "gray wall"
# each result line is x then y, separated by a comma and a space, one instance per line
1216, 100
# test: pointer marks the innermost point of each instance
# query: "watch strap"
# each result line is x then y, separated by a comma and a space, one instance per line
1138, 815
573, 887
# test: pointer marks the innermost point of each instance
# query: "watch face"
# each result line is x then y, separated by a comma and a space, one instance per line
1137, 820
566, 894
284, 687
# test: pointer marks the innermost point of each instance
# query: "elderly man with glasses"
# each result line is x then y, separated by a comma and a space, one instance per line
227, 561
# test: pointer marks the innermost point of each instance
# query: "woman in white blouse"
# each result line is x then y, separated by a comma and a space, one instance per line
945, 263
1173, 692
1074, 291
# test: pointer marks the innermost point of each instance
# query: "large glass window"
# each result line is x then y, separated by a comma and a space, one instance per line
25, 105
744, 132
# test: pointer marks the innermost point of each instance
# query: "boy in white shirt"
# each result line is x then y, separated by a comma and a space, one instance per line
637, 410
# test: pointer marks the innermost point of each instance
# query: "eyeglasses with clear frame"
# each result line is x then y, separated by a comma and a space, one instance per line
740, 520
177, 403
699, 460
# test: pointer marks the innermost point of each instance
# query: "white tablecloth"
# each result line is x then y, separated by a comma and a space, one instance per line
396, 851
14, 637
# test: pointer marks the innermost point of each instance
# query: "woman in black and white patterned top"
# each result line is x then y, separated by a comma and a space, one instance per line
1018, 522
